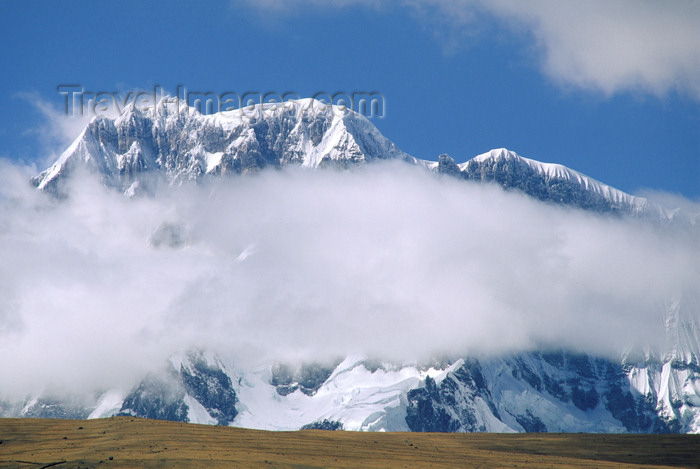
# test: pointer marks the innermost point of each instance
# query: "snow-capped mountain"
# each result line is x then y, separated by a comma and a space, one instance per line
560, 391
550, 183
177, 144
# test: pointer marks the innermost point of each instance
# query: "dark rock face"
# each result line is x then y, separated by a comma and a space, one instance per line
429, 411
446, 165
579, 383
163, 397
449, 406
530, 423
159, 398
307, 378
590, 382
212, 388
324, 424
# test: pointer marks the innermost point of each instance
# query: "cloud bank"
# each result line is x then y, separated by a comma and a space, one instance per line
614, 46
606, 46
386, 261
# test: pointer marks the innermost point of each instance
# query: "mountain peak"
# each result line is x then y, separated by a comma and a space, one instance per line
553, 182
179, 143
497, 153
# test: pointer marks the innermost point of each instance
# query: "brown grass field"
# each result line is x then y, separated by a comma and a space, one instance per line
129, 442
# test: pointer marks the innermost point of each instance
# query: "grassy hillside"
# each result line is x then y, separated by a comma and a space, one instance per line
130, 442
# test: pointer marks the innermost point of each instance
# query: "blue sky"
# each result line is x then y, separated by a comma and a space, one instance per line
611, 89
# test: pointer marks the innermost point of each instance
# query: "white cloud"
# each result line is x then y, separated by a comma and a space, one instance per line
386, 261
606, 46
614, 45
